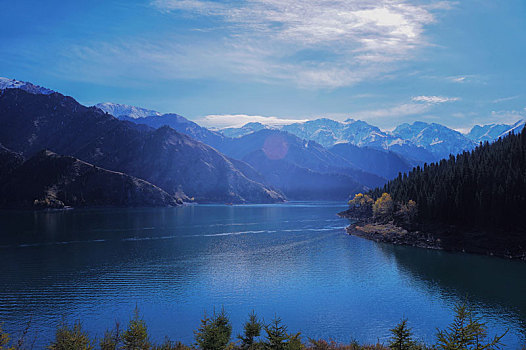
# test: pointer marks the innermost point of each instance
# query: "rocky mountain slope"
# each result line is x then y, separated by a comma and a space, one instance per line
48, 180
164, 157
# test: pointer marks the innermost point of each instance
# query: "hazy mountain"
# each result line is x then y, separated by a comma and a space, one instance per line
492, 132
298, 167
180, 124
438, 139
418, 142
383, 163
120, 110
300, 183
328, 132
164, 157
48, 180
246, 129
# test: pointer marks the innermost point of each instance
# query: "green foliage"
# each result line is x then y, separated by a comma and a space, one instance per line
71, 338
276, 335
402, 338
466, 332
295, 342
170, 345
278, 339
111, 339
214, 333
136, 336
251, 330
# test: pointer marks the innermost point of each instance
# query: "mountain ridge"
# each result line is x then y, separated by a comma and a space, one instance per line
32, 122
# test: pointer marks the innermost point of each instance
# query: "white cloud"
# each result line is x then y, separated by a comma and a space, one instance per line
434, 99
238, 120
312, 44
401, 110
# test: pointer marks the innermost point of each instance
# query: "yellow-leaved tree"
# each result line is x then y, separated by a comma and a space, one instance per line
383, 208
361, 205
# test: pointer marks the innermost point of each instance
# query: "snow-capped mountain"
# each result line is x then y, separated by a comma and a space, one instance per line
328, 132
6, 83
119, 110
436, 138
492, 132
246, 129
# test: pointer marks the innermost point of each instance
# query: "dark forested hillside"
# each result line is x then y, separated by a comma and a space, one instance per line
48, 180
484, 188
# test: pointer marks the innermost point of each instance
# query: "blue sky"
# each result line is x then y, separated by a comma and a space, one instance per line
227, 62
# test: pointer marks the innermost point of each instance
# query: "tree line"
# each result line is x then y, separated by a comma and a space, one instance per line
466, 332
483, 188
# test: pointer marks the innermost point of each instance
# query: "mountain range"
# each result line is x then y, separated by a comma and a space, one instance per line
317, 159
173, 161
418, 142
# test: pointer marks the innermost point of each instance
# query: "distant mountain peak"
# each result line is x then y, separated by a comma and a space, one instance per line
6, 83
491, 132
119, 110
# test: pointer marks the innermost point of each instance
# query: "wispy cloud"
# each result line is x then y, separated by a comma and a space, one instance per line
505, 99
508, 116
435, 99
311, 44
401, 110
418, 106
237, 120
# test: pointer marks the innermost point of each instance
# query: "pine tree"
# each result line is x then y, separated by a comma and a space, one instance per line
214, 333
136, 336
277, 336
402, 338
71, 338
111, 339
467, 332
252, 329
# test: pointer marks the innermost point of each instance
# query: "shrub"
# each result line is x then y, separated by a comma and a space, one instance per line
71, 338
111, 339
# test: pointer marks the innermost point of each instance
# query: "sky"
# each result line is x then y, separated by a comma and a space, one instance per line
223, 63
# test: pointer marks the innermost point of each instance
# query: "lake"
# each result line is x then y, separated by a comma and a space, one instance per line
292, 260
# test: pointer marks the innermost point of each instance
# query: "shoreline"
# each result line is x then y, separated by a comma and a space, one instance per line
452, 240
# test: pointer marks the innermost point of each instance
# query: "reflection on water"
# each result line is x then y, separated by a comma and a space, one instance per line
291, 259
495, 285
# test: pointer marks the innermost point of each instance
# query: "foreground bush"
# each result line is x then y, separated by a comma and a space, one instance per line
466, 332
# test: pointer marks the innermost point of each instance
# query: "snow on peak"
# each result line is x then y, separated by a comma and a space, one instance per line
6, 83
121, 110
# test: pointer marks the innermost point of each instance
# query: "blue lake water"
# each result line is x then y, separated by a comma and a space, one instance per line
293, 260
